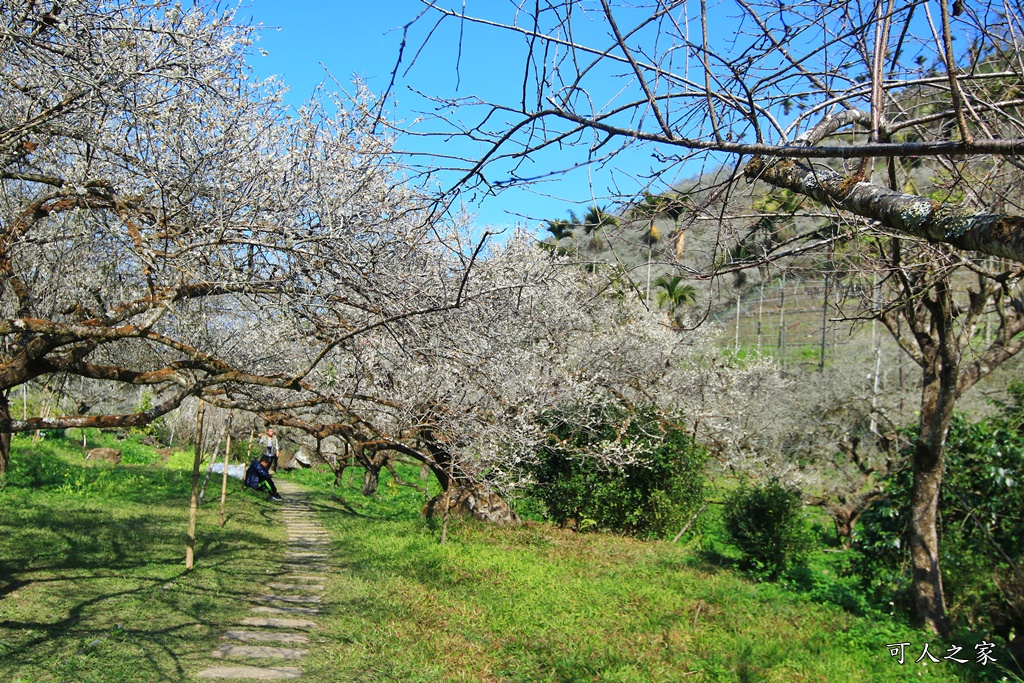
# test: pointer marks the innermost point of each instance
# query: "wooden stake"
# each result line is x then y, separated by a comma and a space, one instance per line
248, 449
447, 505
447, 509
224, 481
193, 506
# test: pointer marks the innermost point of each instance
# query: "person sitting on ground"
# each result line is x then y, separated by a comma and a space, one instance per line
258, 474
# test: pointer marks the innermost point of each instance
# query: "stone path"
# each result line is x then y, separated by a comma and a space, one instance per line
277, 630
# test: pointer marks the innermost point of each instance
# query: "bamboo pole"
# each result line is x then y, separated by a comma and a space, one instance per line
447, 510
690, 523
224, 480
736, 343
782, 322
824, 322
193, 507
760, 310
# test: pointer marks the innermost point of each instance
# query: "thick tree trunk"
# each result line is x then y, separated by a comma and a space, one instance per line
473, 500
938, 397
844, 518
845, 510
371, 478
929, 462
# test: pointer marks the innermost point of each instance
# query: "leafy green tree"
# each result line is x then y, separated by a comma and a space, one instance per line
981, 526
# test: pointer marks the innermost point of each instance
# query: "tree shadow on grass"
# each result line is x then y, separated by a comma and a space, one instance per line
85, 578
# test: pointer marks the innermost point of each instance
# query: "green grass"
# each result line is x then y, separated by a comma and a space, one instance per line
537, 603
92, 579
92, 588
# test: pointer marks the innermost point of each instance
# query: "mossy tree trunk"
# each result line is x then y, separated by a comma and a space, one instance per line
914, 216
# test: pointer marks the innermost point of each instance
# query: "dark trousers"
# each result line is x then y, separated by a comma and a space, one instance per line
270, 483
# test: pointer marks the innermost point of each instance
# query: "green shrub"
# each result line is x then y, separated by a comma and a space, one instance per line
652, 498
767, 525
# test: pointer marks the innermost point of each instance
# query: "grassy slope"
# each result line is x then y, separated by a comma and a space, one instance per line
92, 580
540, 604
92, 588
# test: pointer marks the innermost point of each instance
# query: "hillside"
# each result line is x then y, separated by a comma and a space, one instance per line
806, 311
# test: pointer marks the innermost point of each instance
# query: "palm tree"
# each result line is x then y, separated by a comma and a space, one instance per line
673, 294
663, 206
559, 228
597, 218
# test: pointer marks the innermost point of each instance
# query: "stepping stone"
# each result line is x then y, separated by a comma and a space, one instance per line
257, 652
305, 556
296, 586
306, 566
285, 610
302, 578
259, 673
288, 598
267, 636
271, 622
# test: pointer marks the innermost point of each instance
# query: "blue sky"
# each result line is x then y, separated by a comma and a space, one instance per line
362, 39
303, 37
